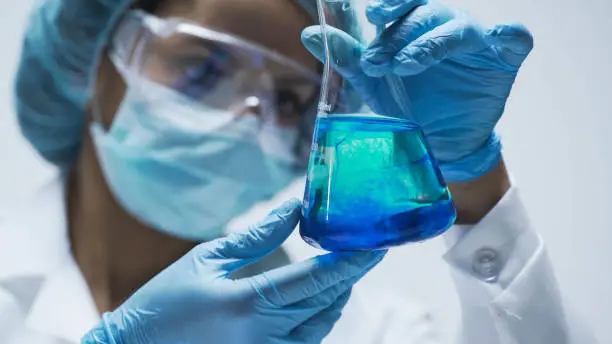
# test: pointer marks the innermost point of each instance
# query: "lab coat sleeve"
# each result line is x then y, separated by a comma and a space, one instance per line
506, 284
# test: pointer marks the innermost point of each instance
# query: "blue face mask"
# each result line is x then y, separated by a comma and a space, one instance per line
186, 170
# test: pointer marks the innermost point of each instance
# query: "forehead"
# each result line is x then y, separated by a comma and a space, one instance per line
274, 24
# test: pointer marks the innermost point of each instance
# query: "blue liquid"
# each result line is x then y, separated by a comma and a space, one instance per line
372, 184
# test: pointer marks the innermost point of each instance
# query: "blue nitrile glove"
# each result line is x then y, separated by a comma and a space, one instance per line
54, 82
195, 301
455, 75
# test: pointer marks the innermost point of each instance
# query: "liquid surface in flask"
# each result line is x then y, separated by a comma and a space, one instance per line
372, 183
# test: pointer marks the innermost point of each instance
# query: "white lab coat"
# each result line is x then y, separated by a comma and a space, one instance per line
503, 276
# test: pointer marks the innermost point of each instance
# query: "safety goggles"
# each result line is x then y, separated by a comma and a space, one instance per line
215, 70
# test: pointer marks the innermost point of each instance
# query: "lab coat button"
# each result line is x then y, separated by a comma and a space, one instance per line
486, 265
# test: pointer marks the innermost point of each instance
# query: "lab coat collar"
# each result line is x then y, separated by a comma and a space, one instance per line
34, 243
33, 236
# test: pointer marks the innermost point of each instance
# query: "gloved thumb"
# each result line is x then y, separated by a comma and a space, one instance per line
240, 249
345, 51
345, 56
513, 42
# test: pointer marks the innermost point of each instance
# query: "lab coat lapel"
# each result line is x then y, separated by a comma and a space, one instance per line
64, 307
33, 237
37, 268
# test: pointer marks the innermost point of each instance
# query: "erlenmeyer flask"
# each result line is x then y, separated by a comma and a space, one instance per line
372, 181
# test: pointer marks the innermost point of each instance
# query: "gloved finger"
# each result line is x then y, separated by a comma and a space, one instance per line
377, 59
345, 54
300, 312
240, 249
445, 41
315, 329
344, 50
380, 12
513, 42
294, 283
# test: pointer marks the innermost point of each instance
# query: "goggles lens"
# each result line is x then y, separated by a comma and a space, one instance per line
214, 70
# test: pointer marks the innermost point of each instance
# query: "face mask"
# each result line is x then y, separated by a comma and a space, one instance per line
187, 170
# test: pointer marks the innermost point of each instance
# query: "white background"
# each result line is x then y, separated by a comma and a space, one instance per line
556, 133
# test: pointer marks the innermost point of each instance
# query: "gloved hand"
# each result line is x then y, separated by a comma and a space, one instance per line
194, 300
54, 81
455, 76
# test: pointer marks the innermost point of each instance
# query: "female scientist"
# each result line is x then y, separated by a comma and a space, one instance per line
168, 119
